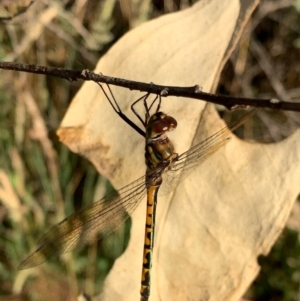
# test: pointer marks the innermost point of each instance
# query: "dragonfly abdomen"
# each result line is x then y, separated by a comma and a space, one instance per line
149, 241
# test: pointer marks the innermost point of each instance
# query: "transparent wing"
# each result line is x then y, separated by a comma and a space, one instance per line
103, 217
186, 163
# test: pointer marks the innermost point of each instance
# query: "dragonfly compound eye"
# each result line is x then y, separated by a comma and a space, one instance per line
172, 123
164, 125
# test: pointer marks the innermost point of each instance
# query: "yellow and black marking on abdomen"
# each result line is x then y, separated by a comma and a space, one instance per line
159, 153
149, 242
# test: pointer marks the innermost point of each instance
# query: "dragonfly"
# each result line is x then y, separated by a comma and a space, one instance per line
164, 168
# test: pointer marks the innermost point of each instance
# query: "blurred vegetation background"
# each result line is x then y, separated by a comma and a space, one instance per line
41, 181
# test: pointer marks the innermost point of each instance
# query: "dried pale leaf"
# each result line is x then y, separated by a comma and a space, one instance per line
211, 230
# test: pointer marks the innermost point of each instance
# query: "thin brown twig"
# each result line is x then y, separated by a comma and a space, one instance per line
194, 92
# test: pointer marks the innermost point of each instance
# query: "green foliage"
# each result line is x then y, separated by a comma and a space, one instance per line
280, 274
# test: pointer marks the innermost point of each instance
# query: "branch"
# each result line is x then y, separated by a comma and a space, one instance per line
194, 92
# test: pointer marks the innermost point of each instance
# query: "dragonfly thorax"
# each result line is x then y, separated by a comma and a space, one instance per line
159, 150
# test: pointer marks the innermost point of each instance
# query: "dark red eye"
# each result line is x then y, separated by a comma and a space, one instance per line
172, 122
160, 126
165, 124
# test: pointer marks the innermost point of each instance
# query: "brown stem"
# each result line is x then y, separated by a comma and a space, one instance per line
194, 92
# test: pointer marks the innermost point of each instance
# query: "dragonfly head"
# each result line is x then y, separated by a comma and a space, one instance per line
159, 123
